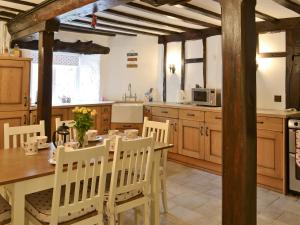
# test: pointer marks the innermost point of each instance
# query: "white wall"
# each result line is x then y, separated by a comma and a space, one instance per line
115, 76
270, 73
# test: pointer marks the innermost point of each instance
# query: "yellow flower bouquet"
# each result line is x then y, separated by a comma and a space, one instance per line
84, 118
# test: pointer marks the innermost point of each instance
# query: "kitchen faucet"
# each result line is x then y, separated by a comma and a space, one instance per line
130, 94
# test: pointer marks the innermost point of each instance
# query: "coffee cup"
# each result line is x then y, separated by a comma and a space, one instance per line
113, 132
131, 133
31, 147
92, 134
41, 140
72, 144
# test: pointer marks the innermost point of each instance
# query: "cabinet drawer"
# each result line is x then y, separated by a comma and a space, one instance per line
213, 117
165, 112
191, 115
105, 109
269, 123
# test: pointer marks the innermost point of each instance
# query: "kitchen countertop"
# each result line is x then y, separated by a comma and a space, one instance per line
73, 104
260, 112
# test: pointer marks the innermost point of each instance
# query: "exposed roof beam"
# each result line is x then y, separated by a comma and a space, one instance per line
145, 19
7, 14
200, 10
265, 16
49, 25
4, 19
163, 2
260, 15
134, 25
165, 13
289, 4
11, 9
22, 2
79, 29
52, 8
101, 25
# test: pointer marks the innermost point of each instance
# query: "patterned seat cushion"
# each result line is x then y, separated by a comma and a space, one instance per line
5, 211
120, 197
39, 205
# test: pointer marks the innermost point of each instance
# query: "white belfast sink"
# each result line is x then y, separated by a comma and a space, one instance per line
127, 113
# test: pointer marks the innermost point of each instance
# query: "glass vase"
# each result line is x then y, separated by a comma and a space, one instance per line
81, 138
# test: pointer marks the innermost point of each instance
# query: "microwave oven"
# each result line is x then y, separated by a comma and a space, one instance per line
206, 96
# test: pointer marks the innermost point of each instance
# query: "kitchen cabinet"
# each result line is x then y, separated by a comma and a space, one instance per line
270, 153
199, 140
191, 138
17, 118
14, 84
173, 131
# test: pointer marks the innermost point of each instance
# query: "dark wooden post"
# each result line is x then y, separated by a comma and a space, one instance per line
182, 85
165, 71
44, 106
239, 112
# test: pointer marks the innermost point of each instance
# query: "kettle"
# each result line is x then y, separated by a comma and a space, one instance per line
63, 131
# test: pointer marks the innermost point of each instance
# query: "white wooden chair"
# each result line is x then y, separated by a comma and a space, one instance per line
70, 124
16, 136
5, 211
162, 135
130, 179
78, 194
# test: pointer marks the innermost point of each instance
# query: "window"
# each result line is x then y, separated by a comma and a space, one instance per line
74, 76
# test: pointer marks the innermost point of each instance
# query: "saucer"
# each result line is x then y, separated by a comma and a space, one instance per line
46, 145
52, 161
98, 138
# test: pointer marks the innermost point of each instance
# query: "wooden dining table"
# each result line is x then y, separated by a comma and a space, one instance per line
22, 175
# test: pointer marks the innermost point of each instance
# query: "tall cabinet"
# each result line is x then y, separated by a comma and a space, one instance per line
14, 92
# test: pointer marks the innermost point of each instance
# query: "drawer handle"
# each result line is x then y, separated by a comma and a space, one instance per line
190, 114
218, 117
206, 132
201, 131
165, 112
127, 126
260, 122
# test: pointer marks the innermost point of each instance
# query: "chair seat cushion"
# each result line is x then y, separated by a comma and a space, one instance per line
5, 211
120, 197
39, 205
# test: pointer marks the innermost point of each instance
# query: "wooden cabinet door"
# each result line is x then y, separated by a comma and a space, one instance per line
173, 131
14, 85
17, 118
33, 117
270, 153
62, 113
191, 138
213, 142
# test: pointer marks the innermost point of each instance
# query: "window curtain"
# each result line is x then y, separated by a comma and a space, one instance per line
4, 37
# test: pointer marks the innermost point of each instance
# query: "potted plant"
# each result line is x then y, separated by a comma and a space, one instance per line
84, 118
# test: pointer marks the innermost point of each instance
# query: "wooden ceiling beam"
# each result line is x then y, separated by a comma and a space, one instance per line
289, 4
145, 19
134, 25
260, 15
101, 25
21, 2
86, 30
49, 25
201, 10
7, 14
11, 9
166, 13
4, 19
265, 17
157, 3
66, 9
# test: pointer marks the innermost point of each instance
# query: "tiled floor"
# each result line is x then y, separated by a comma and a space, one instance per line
194, 198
